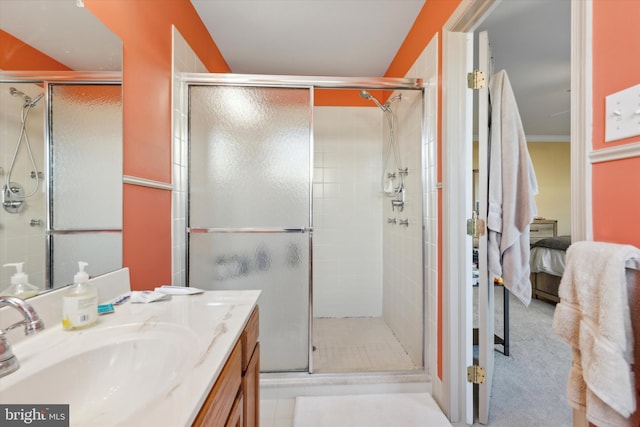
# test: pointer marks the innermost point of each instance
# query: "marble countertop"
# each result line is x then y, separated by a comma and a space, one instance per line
167, 388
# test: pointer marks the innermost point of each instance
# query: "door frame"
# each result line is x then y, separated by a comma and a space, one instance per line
456, 395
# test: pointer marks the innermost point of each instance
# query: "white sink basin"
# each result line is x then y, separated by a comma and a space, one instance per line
106, 374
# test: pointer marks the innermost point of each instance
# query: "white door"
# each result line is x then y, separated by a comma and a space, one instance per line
485, 287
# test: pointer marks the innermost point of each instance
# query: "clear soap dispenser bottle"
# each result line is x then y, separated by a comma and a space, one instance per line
20, 286
80, 302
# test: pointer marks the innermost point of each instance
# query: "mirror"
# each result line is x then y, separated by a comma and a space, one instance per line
71, 131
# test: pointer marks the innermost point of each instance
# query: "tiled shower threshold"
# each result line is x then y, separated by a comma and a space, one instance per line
291, 385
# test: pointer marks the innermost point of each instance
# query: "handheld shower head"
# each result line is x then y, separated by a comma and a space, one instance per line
15, 92
363, 93
367, 95
27, 99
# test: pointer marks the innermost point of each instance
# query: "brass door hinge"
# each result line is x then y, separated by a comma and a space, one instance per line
475, 226
476, 80
475, 374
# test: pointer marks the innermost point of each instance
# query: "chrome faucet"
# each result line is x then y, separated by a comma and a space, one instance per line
32, 324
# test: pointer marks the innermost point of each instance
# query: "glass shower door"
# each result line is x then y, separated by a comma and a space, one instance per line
249, 207
85, 154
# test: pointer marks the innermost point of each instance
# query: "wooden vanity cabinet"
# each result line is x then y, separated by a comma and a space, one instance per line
251, 371
234, 400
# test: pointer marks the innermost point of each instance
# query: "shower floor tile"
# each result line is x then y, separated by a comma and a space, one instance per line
357, 344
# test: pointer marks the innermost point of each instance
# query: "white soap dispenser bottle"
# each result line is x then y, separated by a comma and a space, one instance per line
20, 286
80, 302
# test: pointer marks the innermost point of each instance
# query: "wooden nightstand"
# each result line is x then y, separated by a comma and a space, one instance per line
543, 228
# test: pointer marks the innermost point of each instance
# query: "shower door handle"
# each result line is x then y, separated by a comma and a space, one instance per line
254, 230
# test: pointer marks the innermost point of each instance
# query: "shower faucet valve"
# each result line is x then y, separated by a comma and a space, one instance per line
397, 204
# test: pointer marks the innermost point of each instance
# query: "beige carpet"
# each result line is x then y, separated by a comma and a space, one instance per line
529, 385
374, 410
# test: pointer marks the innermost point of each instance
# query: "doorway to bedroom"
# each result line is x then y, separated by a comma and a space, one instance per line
523, 338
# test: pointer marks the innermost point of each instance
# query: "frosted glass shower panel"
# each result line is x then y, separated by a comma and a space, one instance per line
278, 265
103, 252
249, 156
249, 207
86, 154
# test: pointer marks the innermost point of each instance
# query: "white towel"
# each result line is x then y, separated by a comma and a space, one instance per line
512, 187
593, 316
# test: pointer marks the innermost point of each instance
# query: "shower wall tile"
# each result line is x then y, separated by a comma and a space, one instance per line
403, 281
347, 207
184, 61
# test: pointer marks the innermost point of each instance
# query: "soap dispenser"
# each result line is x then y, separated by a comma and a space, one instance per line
80, 302
20, 286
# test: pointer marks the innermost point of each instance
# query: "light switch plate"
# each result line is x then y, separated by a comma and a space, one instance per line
623, 114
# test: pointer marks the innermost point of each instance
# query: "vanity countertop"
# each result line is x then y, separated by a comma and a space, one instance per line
168, 356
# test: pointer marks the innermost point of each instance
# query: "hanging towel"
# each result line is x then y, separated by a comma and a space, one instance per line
512, 187
593, 316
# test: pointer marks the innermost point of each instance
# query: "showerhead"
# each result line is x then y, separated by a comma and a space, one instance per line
27, 99
15, 92
367, 95
363, 93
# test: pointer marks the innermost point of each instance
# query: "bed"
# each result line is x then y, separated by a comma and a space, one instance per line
547, 262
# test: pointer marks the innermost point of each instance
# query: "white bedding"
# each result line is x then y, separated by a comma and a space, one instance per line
545, 260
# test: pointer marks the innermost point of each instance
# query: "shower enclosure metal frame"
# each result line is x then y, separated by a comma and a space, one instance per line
46, 78
299, 82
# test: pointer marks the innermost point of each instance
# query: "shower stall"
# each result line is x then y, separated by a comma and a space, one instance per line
61, 175
319, 207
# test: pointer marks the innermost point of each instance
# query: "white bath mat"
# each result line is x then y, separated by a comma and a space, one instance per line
369, 410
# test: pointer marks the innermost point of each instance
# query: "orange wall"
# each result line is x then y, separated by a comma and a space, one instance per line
145, 28
616, 66
16, 55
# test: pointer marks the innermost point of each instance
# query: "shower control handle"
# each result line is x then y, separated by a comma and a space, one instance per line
397, 204
404, 222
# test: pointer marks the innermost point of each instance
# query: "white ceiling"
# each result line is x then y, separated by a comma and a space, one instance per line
70, 34
351, 38
530, 39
